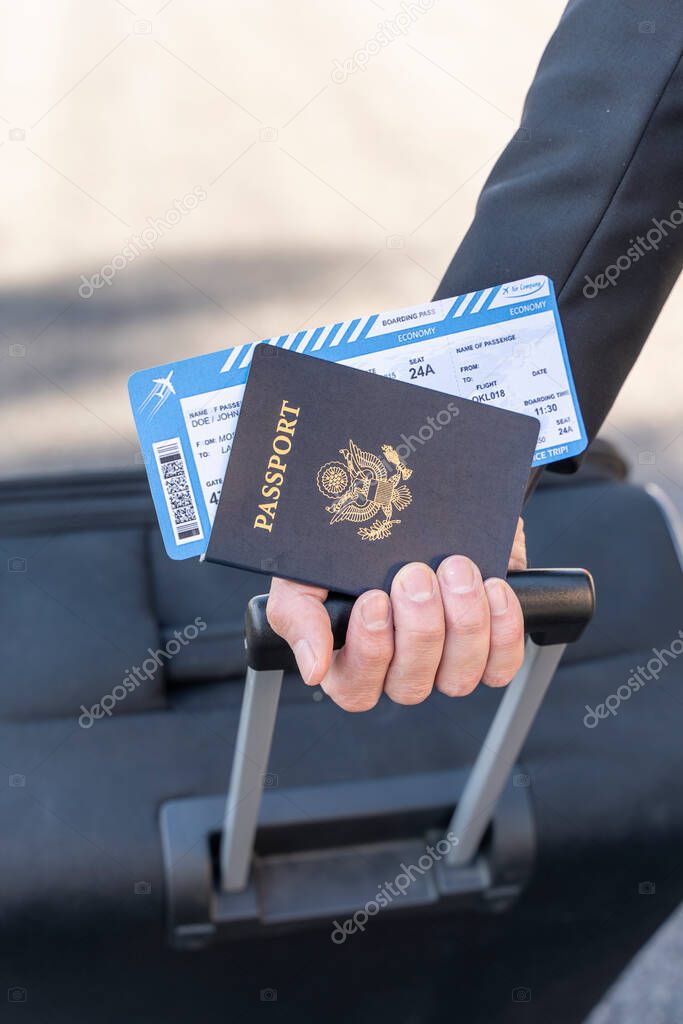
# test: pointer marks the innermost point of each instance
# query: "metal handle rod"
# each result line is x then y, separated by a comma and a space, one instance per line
250, 762
500, 750
498, 754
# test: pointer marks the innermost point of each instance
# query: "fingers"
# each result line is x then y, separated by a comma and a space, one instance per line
467, 615
419, 631
356, 677
518, 553
296, 613
450, 629
506, 649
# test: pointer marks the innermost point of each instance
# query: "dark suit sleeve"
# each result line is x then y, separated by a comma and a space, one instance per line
591, 188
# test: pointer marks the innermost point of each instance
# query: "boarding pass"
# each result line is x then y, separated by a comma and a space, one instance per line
502, 345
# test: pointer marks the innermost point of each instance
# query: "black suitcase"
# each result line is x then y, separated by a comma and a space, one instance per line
95, 888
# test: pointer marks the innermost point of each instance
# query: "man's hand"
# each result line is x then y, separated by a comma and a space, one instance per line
447, 629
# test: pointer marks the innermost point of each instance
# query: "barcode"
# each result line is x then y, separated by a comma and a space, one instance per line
180, 501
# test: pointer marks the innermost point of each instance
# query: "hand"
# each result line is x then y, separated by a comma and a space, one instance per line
447, 629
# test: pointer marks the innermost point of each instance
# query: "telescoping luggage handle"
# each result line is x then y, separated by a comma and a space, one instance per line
557, 605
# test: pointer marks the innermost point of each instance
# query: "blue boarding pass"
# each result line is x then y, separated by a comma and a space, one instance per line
502, 345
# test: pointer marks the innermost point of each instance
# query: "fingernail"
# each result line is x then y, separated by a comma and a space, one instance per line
374, 610
458, 574
417, 582
305, 659
497, 594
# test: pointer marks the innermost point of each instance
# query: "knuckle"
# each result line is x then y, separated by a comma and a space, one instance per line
461, 668
457, 684
503, 668
375, 665
424, 639
376, 651
355, 703
469, 609
471, 621
409, 682
469, 672
277, 614
508, 635
497, 679
408, 695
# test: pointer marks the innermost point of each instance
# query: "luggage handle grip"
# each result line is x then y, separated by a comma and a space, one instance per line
557, 605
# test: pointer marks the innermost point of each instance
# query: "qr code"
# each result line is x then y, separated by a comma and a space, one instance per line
180, 501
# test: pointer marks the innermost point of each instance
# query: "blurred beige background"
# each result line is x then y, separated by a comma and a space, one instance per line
327, 193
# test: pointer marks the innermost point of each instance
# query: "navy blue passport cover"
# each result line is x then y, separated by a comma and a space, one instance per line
338, 477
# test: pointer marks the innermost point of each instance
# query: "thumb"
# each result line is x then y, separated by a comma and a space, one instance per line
297, 614
518, 553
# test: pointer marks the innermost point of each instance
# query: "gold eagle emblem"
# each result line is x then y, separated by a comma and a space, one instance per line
362, 488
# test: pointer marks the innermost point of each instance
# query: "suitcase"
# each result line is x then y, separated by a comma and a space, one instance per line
575, 869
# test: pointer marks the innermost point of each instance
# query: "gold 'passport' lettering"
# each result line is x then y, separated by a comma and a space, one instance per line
274, 476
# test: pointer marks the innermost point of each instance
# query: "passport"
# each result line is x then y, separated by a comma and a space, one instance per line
338, 477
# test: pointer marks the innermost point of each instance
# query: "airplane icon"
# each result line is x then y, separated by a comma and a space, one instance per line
162, 391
